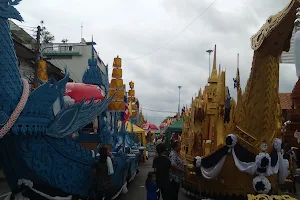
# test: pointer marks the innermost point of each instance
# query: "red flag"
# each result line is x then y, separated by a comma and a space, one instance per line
126, 113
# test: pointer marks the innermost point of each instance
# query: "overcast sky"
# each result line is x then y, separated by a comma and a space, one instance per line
135, 28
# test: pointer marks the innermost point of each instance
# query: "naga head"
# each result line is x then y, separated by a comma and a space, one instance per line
275, 35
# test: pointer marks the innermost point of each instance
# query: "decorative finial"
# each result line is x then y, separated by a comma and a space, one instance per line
215, 58
297, 21
93, 56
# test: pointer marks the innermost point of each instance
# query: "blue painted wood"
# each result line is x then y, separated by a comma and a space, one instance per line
38, 147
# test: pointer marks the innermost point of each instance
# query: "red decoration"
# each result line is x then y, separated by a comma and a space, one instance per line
162, 125
126, 113
80, 91
149, 126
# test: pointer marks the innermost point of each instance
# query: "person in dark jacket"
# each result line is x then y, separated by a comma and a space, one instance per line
102, 179
162, 165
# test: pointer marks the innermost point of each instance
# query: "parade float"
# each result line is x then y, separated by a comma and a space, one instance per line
236, 148
37, 155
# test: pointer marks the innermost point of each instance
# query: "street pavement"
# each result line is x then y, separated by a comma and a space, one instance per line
136, 189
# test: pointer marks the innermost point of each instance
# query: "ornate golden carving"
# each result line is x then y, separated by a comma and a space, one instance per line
269, 26
256, 116
267, 197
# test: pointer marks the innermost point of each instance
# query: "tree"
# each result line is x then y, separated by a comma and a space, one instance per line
46, 36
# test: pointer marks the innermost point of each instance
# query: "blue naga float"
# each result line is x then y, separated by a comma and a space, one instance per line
43, 146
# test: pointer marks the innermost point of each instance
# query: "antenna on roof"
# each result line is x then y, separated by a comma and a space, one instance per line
81, 31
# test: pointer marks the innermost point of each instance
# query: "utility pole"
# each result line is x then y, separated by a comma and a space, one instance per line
37, 56
179, 87
209, 52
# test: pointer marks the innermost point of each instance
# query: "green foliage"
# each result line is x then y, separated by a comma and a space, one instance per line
46, 36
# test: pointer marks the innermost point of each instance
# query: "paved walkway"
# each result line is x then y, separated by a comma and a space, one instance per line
136, 189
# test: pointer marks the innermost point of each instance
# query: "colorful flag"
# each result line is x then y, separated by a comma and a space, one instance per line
126, 114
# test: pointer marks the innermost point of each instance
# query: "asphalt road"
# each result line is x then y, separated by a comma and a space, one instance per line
4, 189
136, 189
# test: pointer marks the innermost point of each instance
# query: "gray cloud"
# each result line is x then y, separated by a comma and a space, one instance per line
134, 28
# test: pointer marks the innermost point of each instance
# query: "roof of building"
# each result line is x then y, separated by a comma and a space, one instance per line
285, 101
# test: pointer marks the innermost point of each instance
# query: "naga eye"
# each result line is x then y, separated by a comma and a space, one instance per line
269, 20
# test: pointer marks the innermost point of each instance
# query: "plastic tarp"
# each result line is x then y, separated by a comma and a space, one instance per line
131, 127
176, 127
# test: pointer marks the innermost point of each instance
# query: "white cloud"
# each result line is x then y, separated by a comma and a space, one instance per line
135, 28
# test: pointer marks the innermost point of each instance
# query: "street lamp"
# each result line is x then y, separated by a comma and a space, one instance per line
209, 51
179, 87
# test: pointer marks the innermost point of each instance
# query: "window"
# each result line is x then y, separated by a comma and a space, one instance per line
55, 47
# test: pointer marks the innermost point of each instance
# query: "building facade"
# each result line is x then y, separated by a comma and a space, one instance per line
24, 46
73, 57
288, 57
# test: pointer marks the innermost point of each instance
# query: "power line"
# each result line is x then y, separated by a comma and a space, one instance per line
62, 65
25, 26
169, 41
162, 111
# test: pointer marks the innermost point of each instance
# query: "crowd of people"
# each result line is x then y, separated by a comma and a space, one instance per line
168, 173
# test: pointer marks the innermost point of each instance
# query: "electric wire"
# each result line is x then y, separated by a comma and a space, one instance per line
61, 65
21, 25
162, 111
173, 38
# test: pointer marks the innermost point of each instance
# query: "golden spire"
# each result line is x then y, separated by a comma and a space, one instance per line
214, 73
200, 93
238, 71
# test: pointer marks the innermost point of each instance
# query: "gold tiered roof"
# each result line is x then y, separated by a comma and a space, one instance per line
116, 87
132, 101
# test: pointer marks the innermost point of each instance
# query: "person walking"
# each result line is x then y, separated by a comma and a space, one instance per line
162, 166
177, 170
103, 174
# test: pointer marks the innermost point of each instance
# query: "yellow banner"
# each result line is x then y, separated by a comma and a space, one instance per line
42, 71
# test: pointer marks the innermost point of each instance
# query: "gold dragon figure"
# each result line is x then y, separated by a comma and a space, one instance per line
255, 118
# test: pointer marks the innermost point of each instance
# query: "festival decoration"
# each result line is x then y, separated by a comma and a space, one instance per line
42, 71
269, 197
252, 124
39, 137
261, 185
116, 87
132, 100
86, 92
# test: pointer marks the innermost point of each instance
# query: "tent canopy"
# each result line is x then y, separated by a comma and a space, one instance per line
176, 126
131, 127
157, 132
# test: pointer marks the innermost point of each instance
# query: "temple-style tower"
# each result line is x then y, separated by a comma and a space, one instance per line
132, 102
116, 87
210, 106
93, 74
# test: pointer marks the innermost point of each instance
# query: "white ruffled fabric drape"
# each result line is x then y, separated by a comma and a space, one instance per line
29, 184
281, 166
213, 172
110, 166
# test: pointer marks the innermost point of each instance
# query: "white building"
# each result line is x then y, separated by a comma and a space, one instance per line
288, 57
72, 56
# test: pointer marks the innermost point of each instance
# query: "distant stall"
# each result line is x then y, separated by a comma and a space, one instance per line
176, 127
